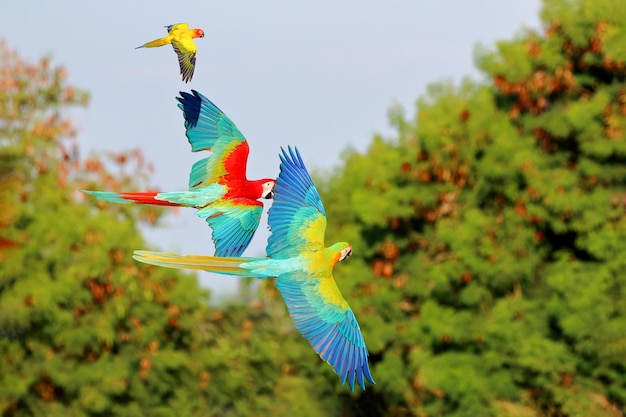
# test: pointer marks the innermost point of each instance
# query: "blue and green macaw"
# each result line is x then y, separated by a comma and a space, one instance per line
303, 268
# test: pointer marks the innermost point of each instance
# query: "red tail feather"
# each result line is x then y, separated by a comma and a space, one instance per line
147, 198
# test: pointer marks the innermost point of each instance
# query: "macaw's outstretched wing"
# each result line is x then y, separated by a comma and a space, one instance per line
297, 218
323, 316
209, 129
234, 223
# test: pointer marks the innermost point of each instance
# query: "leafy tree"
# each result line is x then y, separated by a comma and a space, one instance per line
84, 330
489, 235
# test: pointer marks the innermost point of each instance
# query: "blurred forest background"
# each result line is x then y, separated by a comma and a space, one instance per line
488, 277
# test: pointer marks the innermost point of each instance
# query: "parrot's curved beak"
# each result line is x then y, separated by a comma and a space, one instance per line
269, 195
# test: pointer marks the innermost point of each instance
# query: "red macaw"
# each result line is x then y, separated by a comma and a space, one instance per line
181, 38
303, 268
218, 186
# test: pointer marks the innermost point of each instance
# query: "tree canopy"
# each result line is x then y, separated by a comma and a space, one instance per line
491, 231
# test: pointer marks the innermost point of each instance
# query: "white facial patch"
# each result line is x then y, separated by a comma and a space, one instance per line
345, 253
268, 189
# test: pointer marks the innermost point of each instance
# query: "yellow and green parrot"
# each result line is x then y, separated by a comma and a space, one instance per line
181, 38
303, 268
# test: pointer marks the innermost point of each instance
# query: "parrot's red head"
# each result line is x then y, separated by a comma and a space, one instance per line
198, 33
267, 189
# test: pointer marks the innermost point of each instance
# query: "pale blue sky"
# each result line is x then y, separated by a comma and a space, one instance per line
320, 75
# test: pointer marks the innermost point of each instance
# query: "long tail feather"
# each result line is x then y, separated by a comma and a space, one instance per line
222, 265
130, 198
157, 42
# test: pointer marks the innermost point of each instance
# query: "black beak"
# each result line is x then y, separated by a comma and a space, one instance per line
269, 195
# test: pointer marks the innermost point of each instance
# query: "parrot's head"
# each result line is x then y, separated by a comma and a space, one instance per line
344, 249
346, 253
198, 33
267, 189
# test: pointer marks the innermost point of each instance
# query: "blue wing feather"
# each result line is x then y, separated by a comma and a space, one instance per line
332, 331
205, 123
296, 202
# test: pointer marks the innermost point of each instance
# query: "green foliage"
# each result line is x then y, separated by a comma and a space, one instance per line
83, 329
489, 235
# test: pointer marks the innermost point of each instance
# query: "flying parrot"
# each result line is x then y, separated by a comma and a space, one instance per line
218, 186
303, 269
181, 38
